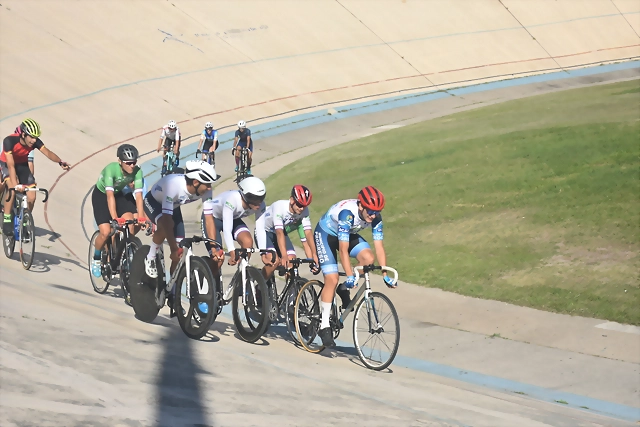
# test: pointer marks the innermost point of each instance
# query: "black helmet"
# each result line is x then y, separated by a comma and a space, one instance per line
127, 153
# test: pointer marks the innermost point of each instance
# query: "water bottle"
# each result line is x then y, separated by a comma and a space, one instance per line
16, 226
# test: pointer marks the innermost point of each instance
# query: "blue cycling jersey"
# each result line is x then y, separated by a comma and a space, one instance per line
343, 219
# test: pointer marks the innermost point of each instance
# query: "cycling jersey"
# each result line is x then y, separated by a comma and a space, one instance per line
243, 137
343, 219
171, 191
278, 217
170, 134
228, 207
12, 145
209, 138
112, 178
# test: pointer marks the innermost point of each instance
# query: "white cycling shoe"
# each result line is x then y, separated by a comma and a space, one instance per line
150, 267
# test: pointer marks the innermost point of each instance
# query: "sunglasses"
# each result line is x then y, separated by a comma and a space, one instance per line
131, 163
372, 213
298, 204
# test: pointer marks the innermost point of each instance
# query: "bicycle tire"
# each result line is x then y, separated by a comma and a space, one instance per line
290, 306
125, 265
100, 285
256, 311
388, 353
143, 287
194, 323
307, 316
27, 240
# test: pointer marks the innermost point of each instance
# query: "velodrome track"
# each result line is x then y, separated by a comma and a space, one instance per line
105, 75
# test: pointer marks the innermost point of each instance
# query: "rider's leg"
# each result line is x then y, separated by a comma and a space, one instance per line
31, 200
7, 225
326, 300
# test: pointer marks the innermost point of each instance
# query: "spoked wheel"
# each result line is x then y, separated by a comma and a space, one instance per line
376, 331
251, 316
126, 259
290, 306
100, 284
27, 240
143, 288
197, 308
308, 316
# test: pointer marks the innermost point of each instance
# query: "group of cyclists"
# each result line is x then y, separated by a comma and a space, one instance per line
335, 236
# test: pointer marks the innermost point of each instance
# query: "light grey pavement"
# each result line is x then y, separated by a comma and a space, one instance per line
72, 357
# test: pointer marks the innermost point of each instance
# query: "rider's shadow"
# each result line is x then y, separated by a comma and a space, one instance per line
42, 262
42, 232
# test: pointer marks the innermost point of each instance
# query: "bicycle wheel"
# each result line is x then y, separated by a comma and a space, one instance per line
307, 316
252, 317
376, 331
8, 244
126, 253
27, 241
100, 284
290, 306
196, 310
143, 288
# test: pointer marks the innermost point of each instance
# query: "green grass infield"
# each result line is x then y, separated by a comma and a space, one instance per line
535, 201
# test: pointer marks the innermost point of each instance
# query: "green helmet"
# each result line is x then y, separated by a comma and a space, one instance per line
30, 127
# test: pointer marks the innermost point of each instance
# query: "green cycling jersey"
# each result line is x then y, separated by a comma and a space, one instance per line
112, 178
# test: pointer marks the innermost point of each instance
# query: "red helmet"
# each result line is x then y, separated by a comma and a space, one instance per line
371, 198
301, 195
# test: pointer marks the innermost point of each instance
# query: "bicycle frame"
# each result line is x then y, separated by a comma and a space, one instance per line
365, 290
20, 202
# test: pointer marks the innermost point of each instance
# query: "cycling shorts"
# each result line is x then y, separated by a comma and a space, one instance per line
327, 247
153, 209
208, 144
23, 173
238, 227
272, 243
124, 204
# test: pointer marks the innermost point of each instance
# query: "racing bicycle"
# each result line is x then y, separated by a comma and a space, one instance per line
243, 170
376, 327
116, 257
168, 162
23, 227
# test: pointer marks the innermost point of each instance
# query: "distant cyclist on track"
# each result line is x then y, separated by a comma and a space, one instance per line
209, 138
170, 136
243, 139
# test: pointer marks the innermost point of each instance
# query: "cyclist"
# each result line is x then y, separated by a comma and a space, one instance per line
243, 139
170, 137
110, 201
14, 168
210, 139
162, 206
337, 231
272, 225
223, 214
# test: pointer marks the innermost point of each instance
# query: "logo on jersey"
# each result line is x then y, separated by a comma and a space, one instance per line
169, 199
229, 205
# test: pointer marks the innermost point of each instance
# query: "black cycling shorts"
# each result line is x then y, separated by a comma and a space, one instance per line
23, 173
124, 204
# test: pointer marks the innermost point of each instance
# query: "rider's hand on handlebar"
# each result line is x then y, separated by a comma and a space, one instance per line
64, 165
232, 258
350, 283
314, 268
266, 259
120, 221
20, 188
176, 255
389, 282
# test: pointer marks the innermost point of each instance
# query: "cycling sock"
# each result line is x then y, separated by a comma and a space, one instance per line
7, 217
326, 312
97, 254
153, 250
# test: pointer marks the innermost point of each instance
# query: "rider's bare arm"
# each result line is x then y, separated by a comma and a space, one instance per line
309, 246
54, 157
13, 177
111, 203
380, 254
343, 248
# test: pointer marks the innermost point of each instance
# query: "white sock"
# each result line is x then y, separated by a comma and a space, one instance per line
325, 307
153, 250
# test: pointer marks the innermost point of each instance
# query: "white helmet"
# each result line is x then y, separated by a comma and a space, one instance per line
172, 124
252, 190
202, 171
208, 125
242, 124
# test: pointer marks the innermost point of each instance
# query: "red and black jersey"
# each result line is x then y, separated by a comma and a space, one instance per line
11, 144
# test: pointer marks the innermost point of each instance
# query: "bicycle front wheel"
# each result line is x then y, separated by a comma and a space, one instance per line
197, 308
290, 307
376, 331
251, 313
27, 240
100, 284
307, 316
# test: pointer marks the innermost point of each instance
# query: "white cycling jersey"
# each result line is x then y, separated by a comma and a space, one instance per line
226, 207
278, 217
172, 134
171, 192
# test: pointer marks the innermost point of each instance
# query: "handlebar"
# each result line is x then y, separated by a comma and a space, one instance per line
42, 190
369, 268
